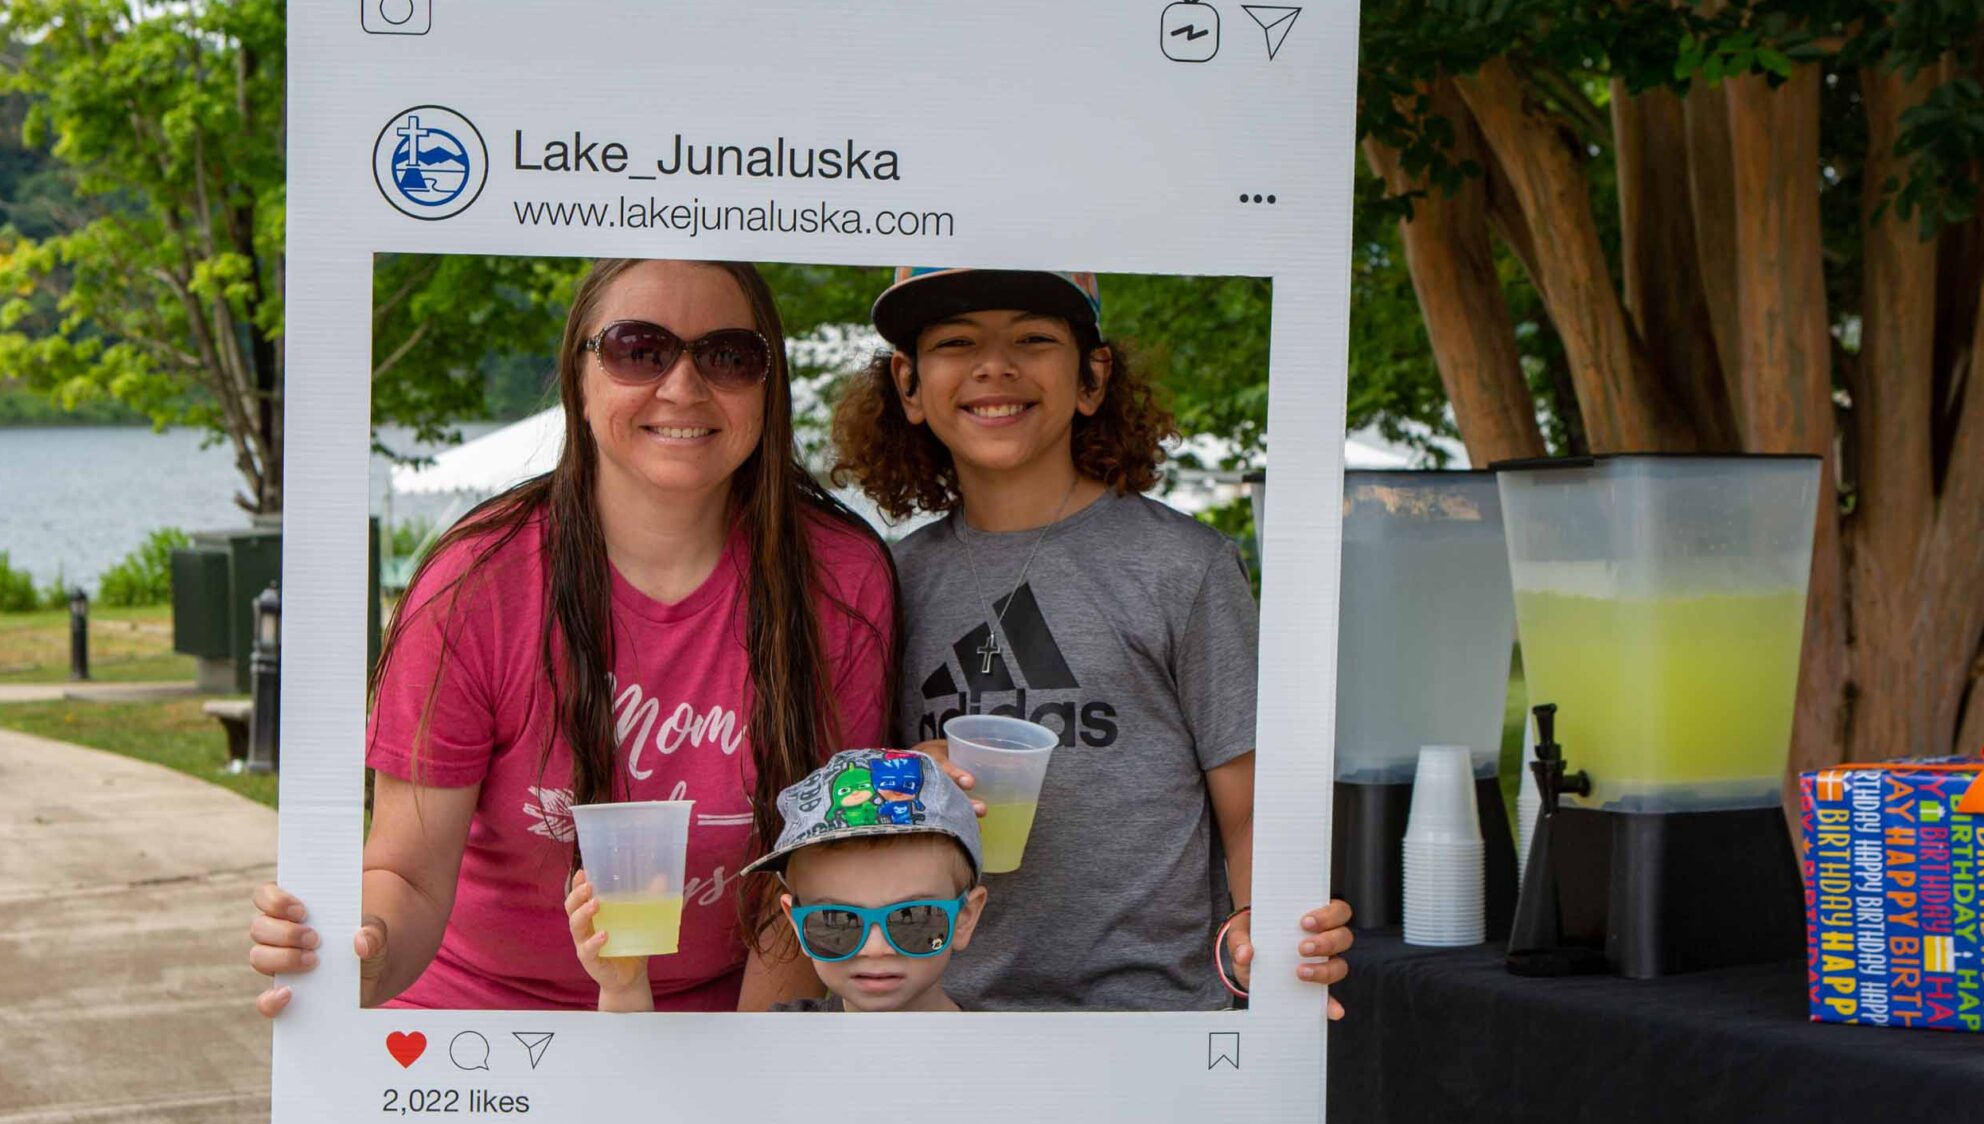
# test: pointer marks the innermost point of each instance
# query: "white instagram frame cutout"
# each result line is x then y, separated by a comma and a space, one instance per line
1057, 135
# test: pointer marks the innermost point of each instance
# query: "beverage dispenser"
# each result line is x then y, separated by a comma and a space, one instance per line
1423, 646
1660, 603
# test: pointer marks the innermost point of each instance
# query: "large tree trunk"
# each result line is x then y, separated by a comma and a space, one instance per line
1467, 316
1623, 403
1724, 267
1785, 372
1894, 626
1663, 279
1712, 193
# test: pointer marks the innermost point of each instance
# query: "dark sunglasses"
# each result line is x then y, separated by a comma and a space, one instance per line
635, 352
915, 928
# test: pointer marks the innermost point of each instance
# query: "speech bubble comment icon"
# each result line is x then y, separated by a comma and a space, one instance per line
469, 1050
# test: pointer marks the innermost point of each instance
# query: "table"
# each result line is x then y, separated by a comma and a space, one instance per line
1449, 1035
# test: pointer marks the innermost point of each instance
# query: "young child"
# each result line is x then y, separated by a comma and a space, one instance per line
880, 858
1055, 592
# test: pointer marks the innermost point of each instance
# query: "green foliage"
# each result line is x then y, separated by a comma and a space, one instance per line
55, 595
17, 591
1561, 48
144, 577
20, 406
161, 290
1204, 341
460, 337
1945, 136
404, 539
1235, 520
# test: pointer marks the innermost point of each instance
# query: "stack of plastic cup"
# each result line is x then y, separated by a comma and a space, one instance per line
1007, 759
1529, 801
635, 855
1445, 876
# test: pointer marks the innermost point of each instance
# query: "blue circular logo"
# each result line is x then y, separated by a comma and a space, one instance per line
430, 162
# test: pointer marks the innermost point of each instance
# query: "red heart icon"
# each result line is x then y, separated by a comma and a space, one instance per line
406, 1048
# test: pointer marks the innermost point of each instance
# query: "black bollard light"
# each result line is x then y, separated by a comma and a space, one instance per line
79, 634
265, 677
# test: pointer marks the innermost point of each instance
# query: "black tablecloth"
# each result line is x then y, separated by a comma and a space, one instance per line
1449, 1035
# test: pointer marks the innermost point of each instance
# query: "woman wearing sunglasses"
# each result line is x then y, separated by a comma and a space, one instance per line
676, 611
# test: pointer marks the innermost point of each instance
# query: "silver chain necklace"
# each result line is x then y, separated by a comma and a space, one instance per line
997, 621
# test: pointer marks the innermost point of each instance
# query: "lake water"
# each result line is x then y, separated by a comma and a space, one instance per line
73, 501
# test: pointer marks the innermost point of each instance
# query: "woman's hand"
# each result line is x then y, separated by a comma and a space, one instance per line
284, 945
940, 749
622, 980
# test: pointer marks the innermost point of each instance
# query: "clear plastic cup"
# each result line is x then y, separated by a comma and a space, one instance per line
634, 855
1445, 898
1443, 802
1007, 758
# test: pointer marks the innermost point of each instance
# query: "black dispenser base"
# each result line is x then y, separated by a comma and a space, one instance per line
1661, 894
1366, 858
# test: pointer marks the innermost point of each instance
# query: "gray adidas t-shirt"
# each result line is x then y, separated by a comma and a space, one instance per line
1134, 636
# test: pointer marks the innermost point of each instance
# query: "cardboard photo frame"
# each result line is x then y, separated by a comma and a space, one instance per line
1009, 136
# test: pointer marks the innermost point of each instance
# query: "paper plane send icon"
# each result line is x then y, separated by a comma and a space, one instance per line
1275, 21
535, 1041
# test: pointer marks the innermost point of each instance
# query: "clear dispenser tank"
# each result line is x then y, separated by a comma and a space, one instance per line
1660, 602
1426, 627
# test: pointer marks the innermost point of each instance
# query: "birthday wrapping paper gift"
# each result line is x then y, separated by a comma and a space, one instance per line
1891, 893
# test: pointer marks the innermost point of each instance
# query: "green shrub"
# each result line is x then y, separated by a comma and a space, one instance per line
404, 539
55, 595
17, 591
144, 577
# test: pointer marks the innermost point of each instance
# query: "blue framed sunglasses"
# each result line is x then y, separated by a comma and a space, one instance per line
915, 929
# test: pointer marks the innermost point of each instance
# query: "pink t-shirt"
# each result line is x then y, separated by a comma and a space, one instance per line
681, 712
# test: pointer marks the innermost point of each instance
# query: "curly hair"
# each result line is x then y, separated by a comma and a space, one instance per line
904, 468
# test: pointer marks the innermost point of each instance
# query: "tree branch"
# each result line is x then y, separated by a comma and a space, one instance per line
1623, 403
414, 281
412, 340
1657, 241
1460, 297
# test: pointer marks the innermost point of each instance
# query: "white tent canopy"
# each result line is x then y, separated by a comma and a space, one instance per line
517, 452
471, 472
490, 463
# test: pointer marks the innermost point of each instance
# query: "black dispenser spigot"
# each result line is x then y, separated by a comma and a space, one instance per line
1536, 943
1551, 780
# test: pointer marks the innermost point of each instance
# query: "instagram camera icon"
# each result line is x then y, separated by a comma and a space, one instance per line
396, 17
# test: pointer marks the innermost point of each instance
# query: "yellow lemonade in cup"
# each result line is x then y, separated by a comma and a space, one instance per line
1002, 835
639, 926
1007, 759
635, 856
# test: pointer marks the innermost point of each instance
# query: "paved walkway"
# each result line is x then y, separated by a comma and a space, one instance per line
125, 993
98, 692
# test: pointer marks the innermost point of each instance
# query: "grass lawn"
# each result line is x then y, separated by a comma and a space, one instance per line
172, 733
125, 645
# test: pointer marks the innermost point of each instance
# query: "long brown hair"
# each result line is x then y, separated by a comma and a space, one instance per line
904, 468
794, 721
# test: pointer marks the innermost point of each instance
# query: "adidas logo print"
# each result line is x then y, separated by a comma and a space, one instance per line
970, 683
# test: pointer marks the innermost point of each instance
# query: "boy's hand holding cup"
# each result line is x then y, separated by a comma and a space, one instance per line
939, 750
